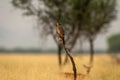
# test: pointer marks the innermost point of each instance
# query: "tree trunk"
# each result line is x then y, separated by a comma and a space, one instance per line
81, 46
91, 50
91, 40
59, 55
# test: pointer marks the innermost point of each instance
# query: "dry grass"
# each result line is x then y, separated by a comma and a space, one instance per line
45, 67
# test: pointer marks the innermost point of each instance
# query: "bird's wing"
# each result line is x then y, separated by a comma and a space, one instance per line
58, 31
61, 30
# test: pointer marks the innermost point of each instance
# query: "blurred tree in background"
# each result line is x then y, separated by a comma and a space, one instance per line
97, 19
48, 15
114, 47
92, 17
114, 43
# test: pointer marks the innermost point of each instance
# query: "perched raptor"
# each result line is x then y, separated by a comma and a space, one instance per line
60, 33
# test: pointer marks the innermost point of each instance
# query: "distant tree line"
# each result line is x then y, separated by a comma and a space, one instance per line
21, 50
36, 50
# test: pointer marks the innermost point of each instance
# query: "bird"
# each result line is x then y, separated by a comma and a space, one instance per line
60, 33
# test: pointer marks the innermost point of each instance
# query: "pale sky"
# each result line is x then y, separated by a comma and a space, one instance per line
18, 31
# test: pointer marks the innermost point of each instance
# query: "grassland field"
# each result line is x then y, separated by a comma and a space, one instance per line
45, 67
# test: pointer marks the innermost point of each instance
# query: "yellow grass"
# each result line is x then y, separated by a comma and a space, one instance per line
45, 67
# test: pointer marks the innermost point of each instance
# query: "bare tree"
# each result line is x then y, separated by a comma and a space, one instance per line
52, 11
47, 16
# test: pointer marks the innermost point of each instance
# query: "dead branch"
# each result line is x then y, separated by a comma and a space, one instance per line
60, 34
72, 61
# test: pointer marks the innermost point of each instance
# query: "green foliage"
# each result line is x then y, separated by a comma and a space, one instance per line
99, 15
114, 43
23, 4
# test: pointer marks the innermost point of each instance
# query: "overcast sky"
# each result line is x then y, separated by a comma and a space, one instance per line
18, 31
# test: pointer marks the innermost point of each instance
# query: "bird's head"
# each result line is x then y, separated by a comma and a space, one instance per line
58, 24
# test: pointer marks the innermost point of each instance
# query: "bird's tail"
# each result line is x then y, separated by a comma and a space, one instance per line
63, 41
